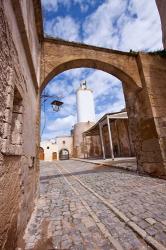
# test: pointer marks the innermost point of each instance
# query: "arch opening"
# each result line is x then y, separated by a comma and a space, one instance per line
94, 145
64, 154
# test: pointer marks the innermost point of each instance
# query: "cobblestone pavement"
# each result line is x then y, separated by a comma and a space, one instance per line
97, 208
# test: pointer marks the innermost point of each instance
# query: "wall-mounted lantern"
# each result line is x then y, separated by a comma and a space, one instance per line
56, 105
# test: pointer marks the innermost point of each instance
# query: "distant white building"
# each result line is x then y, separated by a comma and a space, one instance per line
56, 149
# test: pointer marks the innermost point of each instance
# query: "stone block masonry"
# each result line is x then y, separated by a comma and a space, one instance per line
18, 161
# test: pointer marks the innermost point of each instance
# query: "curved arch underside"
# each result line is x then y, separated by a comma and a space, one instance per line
59, 56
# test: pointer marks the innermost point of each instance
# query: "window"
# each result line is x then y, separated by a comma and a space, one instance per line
16, 123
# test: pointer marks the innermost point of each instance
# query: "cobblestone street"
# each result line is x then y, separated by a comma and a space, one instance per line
85, 206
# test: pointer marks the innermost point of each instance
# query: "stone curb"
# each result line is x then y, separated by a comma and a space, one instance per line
142, 233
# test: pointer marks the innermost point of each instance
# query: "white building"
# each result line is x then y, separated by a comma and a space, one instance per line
56, 149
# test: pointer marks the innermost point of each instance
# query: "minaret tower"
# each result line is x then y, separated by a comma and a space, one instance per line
85, 117
85, 104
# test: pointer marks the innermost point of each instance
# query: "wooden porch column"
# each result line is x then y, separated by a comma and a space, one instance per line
102, 143
84, 144
110, 138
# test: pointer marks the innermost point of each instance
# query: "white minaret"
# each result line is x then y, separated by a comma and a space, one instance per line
85, 104
85, 118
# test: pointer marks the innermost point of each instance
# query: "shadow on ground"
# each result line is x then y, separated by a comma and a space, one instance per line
99, 169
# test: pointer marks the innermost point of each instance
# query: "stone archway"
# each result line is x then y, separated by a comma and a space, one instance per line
59, 56
64, 154
139, 74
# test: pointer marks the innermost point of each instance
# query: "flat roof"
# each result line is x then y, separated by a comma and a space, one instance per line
94, 130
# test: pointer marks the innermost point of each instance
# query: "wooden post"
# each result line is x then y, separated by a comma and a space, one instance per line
110, 138
84, 144
87, 152
117, 132
102, 143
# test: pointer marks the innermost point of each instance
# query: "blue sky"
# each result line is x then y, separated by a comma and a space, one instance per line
115, 24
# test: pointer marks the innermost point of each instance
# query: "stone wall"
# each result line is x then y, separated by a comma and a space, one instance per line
147, 114
65, 142
18, 114
92, 147
78, 141
121, 139
54, 146
161, 4
154, 128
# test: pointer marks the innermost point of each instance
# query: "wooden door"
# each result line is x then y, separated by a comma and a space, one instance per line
54, 156
41, 154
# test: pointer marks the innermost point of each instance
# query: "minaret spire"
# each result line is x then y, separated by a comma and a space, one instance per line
83, 85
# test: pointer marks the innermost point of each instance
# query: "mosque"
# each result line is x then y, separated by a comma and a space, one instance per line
107, 138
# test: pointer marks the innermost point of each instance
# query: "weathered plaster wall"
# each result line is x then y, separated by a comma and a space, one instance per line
96, 148
65, 142
78, 142
161, 4
92, 147
49, 147
18, 162
55, 145
122, 144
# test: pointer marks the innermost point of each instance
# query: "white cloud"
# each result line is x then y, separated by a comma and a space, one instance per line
52, 134
60, 88
143, 32
118, 25
65, 123
53, 5
50, 5
111, 107
63, 27
98, 27
101, 82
